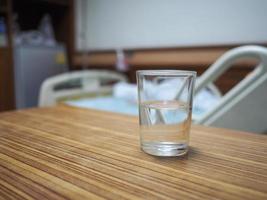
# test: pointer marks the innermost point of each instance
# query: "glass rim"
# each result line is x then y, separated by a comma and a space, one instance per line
166, 72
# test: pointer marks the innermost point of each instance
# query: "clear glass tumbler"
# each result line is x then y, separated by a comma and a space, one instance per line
165, 107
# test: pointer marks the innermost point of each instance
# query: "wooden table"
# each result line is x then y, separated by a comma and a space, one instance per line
71, 153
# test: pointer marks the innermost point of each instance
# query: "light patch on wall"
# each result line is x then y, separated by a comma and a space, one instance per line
120, 24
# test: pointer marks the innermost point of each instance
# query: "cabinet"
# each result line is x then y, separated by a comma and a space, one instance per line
29, 13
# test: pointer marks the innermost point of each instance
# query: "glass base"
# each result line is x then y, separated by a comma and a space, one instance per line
165, 148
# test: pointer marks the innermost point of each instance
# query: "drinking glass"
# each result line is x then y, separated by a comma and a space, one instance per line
165, 106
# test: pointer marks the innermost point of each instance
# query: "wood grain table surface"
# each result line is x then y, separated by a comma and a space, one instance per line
71, 153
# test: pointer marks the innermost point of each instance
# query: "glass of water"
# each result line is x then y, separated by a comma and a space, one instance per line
165, 107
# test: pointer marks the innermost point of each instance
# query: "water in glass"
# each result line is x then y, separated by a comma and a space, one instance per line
165, 127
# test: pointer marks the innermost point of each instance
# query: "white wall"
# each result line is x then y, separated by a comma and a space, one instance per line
110, 24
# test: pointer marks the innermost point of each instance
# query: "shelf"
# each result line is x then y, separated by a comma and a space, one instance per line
53, 2
30, 13
3, 48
